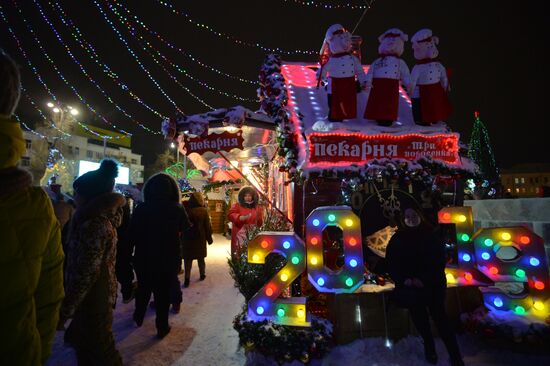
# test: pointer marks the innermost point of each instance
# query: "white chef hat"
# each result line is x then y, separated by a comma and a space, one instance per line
331, 32
393, 32
424, 35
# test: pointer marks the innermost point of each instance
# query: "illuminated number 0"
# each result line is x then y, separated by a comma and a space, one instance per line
350, 277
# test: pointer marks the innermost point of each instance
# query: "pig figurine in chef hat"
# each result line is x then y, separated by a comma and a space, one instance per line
429, 84
344, 72
384, 76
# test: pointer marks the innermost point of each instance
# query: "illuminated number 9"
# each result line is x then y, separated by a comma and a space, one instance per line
350, 277
265, 304
514, 254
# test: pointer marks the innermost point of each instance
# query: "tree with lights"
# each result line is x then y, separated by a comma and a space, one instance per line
481, 152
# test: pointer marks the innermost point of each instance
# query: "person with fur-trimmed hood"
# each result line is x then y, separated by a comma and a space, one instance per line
244, 213
90, 279
31, 255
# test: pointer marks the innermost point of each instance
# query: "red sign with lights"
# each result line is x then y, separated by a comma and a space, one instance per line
214, 142
343, 148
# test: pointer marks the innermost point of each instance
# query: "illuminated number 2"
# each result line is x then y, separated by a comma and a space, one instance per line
350, 277
265, 304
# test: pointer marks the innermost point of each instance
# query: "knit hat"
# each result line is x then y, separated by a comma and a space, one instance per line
10, 84
98, 181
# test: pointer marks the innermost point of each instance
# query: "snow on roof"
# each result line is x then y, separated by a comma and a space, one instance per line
308, 107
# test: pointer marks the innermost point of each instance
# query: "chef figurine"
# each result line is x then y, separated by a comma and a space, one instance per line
384, 76
429, 84
346, 75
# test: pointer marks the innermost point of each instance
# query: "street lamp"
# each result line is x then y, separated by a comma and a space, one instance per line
62, 111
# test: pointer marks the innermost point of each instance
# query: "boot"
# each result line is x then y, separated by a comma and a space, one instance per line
186, 283
203, 276
430, 353
161, 333
176, 308
138, 320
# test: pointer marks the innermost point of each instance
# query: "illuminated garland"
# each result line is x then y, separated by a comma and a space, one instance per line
79, 38
125, 21
83, 70
175, 66
231, 37
46, 55
317, 4
119, 36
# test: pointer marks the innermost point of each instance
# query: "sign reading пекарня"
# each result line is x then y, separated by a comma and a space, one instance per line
346, 148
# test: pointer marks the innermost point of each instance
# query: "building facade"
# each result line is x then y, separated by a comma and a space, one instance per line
83, 145
526, 180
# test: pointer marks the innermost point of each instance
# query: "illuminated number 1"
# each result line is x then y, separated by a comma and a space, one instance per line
350, 277
265, 304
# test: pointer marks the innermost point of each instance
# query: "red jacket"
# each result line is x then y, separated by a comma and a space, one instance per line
235, 213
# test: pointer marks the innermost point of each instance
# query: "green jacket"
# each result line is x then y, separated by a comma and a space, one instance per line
31, 260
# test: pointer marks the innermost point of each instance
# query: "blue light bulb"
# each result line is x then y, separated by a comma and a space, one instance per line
534, 261
286, 244
320, 281
316, 222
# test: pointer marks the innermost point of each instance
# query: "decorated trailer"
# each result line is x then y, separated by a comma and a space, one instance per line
349, 148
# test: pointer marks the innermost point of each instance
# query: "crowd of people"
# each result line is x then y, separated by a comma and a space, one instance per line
50, 281
62, 260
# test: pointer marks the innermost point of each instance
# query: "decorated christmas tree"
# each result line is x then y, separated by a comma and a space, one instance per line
481, 151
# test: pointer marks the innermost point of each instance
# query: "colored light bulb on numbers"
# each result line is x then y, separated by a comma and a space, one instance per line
450, 278
498, 302
520, 310
331, 217
284, 277
353, 263
524, 239
321, 281
286, 244
301, 313
520, 273
352, 241
485, 255
269, 291
466, 257
281, 312
349, 282
259, 310
295, 260
255, 258
488, 242
534, 261
493, 270
539, 285
461, 218
538, 305
314, 241
446, 216
349, 222
264, 244
506, 236
465, 237
313, 260
315, 222
468, 276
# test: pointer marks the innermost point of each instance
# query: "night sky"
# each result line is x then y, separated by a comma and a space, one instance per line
496, 50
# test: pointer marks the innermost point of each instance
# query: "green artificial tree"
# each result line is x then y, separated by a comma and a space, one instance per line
481, 152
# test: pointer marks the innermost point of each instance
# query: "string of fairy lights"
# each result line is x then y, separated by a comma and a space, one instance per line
117, 13
323, 5
38, 43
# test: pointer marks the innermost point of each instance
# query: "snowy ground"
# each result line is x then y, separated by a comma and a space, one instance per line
202, 334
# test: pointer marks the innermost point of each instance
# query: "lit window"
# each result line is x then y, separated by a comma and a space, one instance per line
537, 190
522, 180
516, 180
508, 190
517, 190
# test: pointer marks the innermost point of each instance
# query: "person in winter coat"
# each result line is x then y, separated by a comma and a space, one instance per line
123, 267
90, 280
194, 244
416, 262
155, 230
244, 213
31, 257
